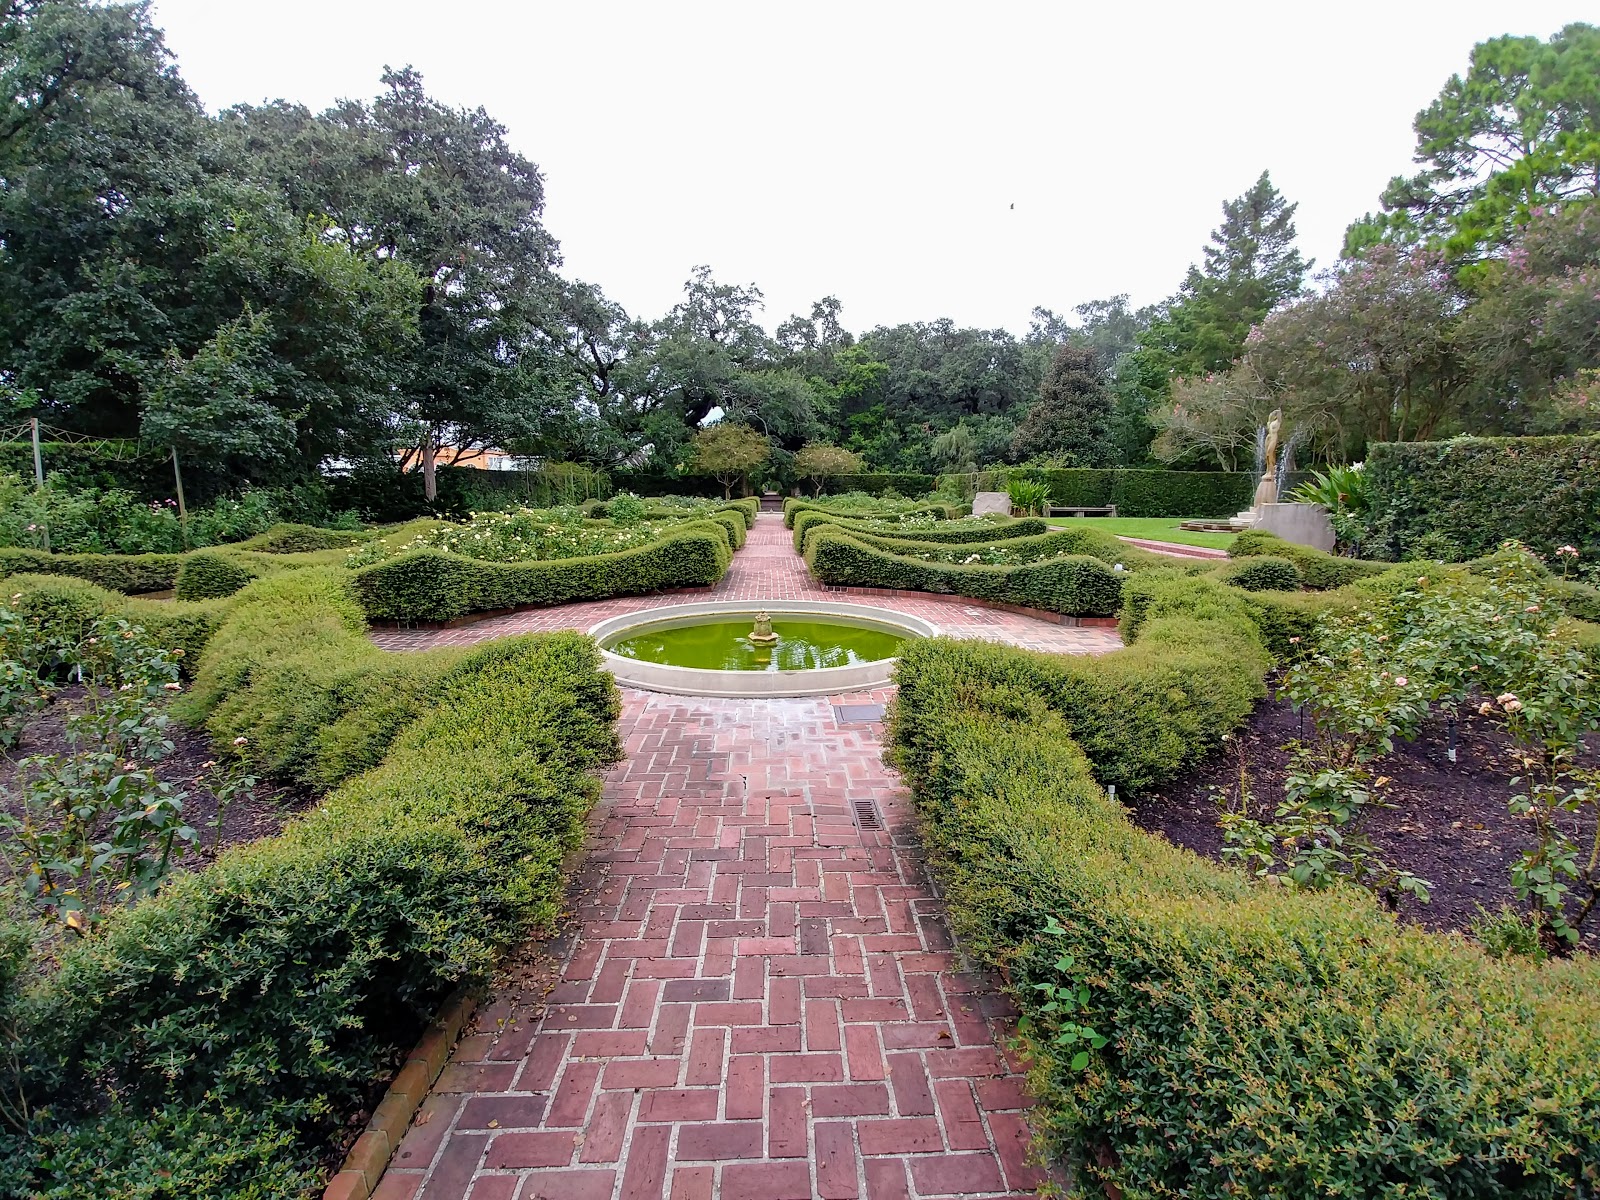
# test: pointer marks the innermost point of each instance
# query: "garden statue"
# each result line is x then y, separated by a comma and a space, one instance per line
762, 634
1267, 489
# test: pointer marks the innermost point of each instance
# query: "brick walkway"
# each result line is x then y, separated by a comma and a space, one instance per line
758, 999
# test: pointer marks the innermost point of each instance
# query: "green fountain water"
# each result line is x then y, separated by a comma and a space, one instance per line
725, 645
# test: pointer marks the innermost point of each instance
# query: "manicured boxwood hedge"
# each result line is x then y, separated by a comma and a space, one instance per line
937, 509
1264, 573
956, 533
905, 483
1262, 1042
431, 585
738, 515
241, 1012
1318, 570
67, 606
299, 539
1075, 584
127, 573
1135, 493
206, 576
1478, 492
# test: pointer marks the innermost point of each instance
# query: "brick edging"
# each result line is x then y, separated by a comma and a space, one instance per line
1174, 549
357, 1177
1038, 614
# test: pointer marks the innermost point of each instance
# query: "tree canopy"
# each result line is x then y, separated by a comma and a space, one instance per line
272, 291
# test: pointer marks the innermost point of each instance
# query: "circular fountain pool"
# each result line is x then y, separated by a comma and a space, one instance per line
817, 648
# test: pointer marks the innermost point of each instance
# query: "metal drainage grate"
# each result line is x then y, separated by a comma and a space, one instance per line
851, 714
867, 814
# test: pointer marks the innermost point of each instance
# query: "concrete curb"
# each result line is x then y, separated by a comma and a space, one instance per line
1038, 614
364, 1166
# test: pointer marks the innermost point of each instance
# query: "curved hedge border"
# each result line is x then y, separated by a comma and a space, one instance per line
979, 531
1318, 570
1262, 1042
243, 1009
67, 607
1074, 584
431, 585
940, 511
126, 573
289, 538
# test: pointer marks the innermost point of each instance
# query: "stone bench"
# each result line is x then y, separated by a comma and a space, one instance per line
1068, 510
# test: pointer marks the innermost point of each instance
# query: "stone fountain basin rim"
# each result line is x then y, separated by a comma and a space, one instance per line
699, 681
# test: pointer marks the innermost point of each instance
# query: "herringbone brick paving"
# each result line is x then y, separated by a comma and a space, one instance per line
759, 1000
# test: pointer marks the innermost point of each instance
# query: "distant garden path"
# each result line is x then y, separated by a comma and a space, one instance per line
759, 999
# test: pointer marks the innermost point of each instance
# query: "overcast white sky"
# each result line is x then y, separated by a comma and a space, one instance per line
872, 150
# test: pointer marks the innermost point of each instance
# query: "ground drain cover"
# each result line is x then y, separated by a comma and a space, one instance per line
867, 814
848, 714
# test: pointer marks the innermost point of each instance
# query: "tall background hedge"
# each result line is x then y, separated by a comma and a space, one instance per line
1135, 493
1477, 492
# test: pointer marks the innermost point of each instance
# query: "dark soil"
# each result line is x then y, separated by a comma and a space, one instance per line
249, 816
1449, 823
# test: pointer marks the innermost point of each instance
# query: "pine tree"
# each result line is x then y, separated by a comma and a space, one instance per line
1255, 243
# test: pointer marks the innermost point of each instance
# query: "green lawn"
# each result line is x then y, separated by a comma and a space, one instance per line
1158, 529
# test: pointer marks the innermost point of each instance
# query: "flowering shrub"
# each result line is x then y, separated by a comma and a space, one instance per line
533, 535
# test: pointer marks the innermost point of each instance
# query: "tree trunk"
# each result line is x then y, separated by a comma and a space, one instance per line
430, 471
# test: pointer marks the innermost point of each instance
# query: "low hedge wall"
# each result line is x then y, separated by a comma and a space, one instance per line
957, 533
877, 482
67, 607
1475, 493
126, 573
294, 674
299, 539
1135, 493
1075, 584
1076, 539
1260, 1042
738, 515
939, 510
208, 576
1318, 570
240, 1013
431, 585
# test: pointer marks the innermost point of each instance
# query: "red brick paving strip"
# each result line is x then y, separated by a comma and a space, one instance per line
761, 1002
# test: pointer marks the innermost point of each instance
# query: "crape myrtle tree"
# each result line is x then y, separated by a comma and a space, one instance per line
728, 453
1532, 333
819, 463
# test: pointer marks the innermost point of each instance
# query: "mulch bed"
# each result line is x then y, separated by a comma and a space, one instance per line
248, 818
1449, 823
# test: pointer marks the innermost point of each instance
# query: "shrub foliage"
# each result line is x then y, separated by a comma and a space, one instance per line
1256, 1041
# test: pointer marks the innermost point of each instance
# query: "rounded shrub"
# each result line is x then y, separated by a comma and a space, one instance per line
205, 576
1265, 574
